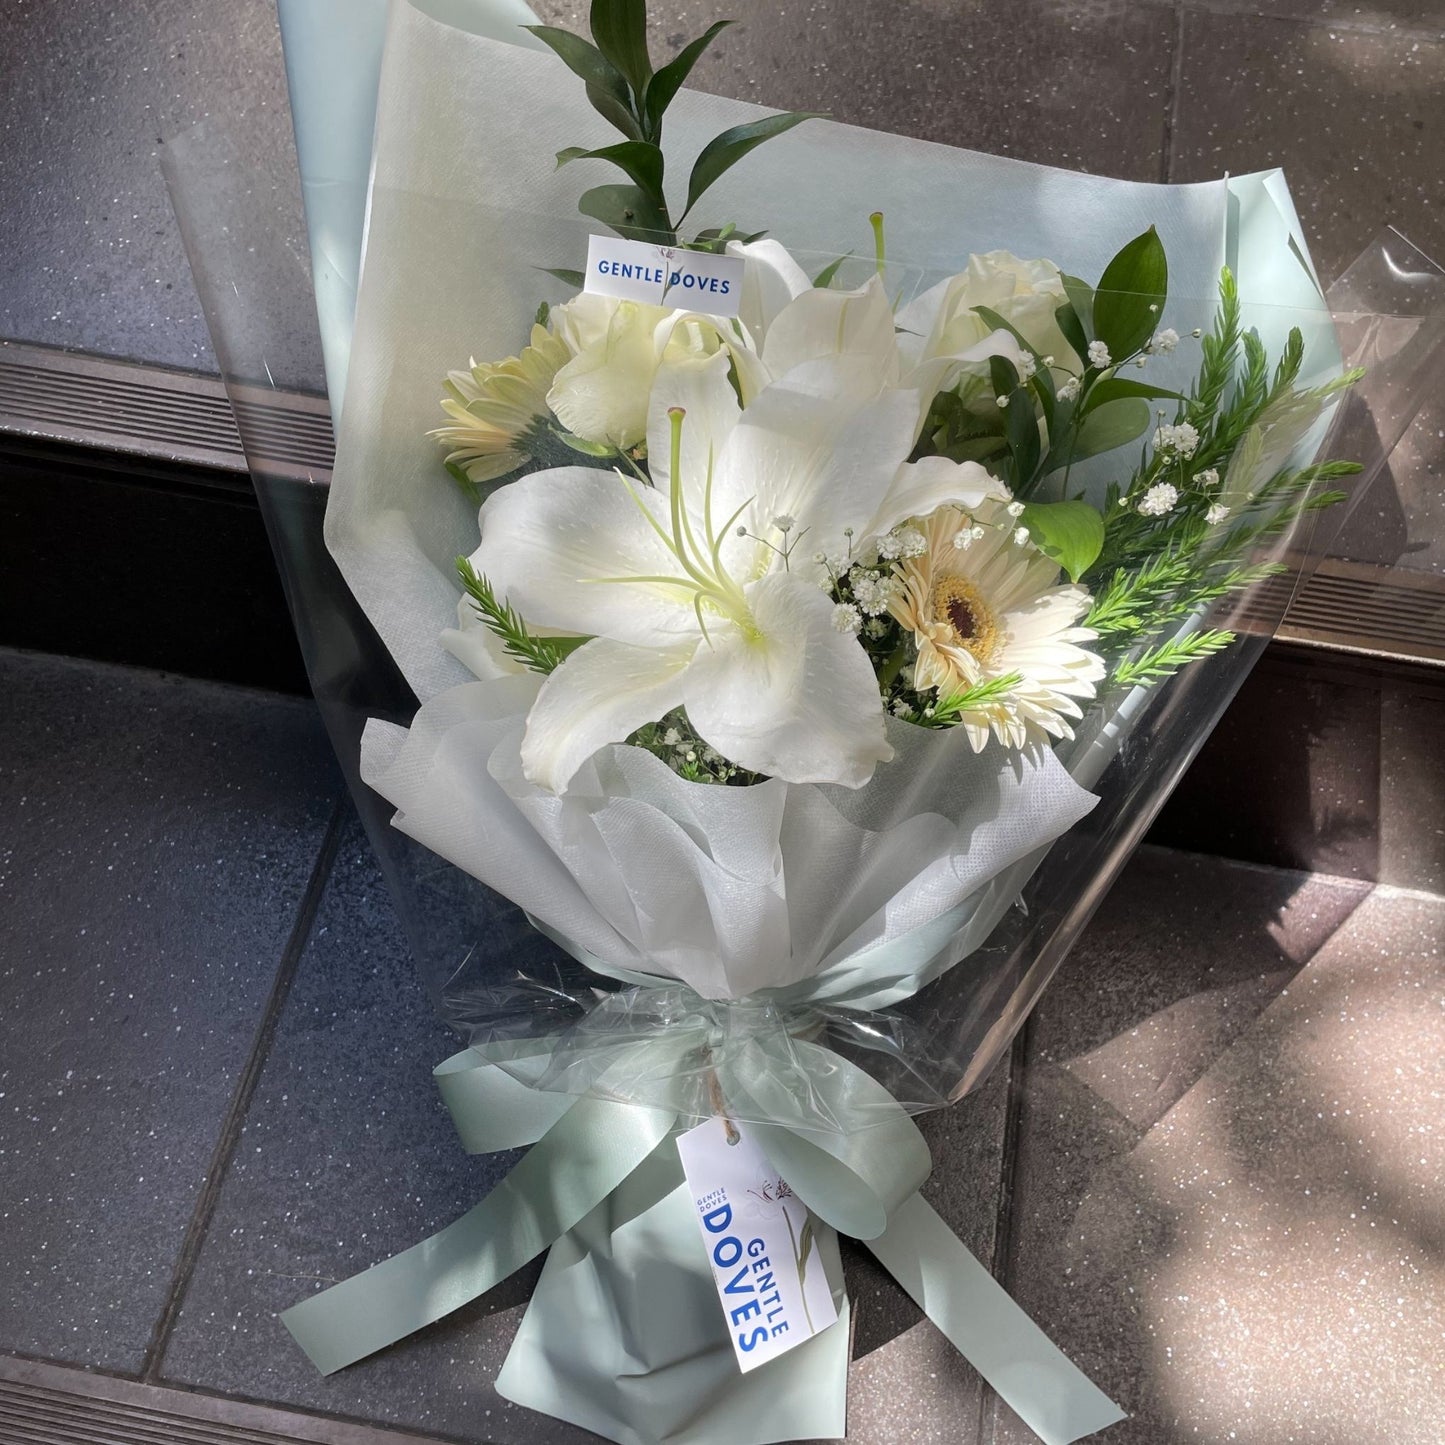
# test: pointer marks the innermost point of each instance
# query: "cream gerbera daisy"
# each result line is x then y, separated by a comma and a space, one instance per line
495, 404
984, 605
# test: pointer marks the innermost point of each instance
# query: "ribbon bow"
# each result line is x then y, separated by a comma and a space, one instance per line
602, 1188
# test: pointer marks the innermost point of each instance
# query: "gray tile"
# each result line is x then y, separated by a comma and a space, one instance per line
158, 836
1356, 119
90, 257
1086, 90
1267, 1264
1387, 16
1412, 783
347, 1156
908, 1383
1181, 962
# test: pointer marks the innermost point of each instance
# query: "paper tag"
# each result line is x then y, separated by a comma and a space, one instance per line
664, 275
761, 1243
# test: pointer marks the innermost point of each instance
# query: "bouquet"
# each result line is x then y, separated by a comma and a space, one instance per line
798, 632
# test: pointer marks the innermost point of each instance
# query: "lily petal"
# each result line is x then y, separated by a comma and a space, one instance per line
548, 539
820, 324
810, 448
703, 391
601, 694
922, 487
796, 701
771, 279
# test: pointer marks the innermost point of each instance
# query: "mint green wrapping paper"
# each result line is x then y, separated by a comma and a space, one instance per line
623, 1335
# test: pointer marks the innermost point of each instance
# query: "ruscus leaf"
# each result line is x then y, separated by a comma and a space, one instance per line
1131, 295
620, 29
724, 151
666, 83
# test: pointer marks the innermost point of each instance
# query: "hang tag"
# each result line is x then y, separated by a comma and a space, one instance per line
761, 1242
664, 275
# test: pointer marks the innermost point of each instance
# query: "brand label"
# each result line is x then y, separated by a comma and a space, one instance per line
664, 275
761, 1243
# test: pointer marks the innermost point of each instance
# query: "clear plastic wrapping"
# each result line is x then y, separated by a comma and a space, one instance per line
690, 937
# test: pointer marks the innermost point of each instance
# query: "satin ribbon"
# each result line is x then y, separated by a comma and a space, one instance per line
863, 1181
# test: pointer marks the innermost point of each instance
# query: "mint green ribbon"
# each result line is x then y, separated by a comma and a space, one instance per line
596, 1166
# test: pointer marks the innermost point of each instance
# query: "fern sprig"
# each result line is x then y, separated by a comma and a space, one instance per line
1154, 664
540, 654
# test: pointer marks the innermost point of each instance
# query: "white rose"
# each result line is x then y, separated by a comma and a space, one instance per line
1025, 293
601, 395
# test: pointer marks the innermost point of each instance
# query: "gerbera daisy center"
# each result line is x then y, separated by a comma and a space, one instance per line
957, 602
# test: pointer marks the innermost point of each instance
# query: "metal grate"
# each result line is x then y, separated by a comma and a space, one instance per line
45, 1404
176, 416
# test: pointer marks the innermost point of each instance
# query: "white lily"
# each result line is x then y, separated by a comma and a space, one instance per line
696, 591
790, 322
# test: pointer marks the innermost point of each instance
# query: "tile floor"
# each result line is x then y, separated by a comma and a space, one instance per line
1214, 1168
1348, 97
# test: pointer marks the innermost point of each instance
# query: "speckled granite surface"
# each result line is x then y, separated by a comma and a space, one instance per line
1223, 1039
158, 838
1264, 1263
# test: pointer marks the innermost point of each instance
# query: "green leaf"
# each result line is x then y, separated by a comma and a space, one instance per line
620, 29
1115, 424
1131, 295
572, 278
723, 152
1003, 375
579, 444
1073, 329
1072, 533
638, 158
990, 317
1081, 298
607, 87
630, 212
670, 79
1021, 426
829, 273
1112, 388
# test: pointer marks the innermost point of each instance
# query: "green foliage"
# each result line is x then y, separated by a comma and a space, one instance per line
1117, 388
677, 743
664, 86
1108, 427
1072, 533
1154, 664
541, 654
949, 710
724, 151
1131, 295
628, 210
626, 92
639, 158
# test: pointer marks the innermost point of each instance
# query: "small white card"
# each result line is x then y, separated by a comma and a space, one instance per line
761, 1243
664, 275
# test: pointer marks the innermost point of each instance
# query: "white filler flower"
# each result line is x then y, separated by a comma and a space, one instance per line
692, 594
995, 609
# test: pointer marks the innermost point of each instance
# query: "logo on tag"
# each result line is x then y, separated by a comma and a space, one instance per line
664, 275
761, 1242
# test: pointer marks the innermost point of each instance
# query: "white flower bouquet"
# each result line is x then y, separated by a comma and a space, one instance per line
799, 639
